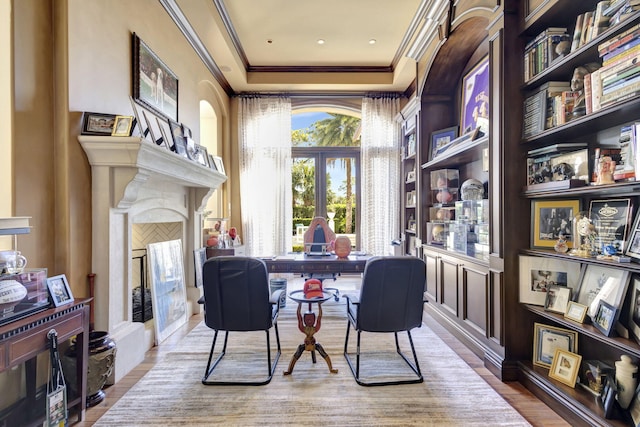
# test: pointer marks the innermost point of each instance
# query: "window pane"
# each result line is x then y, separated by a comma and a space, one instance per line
303, 176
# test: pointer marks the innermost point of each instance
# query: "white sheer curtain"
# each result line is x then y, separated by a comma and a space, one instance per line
265, 174
380, 152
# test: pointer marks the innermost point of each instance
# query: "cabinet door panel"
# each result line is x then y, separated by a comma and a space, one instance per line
449, 285
431, 287
475, 289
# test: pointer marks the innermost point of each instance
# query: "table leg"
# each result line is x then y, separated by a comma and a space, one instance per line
294, 359
326, 358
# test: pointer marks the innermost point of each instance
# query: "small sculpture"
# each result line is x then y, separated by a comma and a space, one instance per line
606, 166
577, 85
563, 171
561, 245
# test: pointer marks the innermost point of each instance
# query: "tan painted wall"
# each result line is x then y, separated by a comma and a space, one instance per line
52, 178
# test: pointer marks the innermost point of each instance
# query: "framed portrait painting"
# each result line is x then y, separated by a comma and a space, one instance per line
551, 219
475, 98
154, 84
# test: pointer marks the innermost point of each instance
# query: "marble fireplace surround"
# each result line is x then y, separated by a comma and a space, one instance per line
137, 182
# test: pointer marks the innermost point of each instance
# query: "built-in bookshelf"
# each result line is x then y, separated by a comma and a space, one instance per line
580, 116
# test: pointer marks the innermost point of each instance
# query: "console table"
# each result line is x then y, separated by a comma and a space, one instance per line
21, 341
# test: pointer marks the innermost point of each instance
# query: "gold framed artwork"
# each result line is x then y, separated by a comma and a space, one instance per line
122, 126
576, 312
565, 367
551, 219
547, 339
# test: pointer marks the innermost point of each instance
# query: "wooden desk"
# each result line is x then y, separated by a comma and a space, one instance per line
301, 263
21, 341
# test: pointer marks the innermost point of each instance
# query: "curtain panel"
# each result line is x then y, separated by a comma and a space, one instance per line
380, 151
265, 174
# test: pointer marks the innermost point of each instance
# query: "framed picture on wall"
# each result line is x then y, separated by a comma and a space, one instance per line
475, 98
154, 84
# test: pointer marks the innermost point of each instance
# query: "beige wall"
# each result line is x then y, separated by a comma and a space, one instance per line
91, 56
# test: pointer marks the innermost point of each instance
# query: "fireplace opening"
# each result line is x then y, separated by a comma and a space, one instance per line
141, 293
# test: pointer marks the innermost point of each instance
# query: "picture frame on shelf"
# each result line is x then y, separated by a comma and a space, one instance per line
551, 218
605, 318
607, 398
538, 273
411, 176
557, 299
176, 129
186, 131
633, 248
411, 224
201, 155
633, 321
154, 84
59, 290
122, 126
475, 98
217, 161
547, 339
611, 218
441, 138
212, 164
97, 124
576, 312
143, 128
565, 367
154, 128
601, 282
165, 130
468, 136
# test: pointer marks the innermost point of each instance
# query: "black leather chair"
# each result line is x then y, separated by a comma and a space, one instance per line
236, 298
391, 300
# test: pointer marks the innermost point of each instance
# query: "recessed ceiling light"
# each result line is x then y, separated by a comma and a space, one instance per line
269, 41
372, 41
320, 41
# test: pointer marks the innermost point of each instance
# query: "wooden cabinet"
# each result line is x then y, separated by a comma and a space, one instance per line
598, 129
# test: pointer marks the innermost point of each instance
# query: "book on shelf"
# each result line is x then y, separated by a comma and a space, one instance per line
622, 93
538, 107
600, 22
577, 33
14, 222
623, 14
568, 101
540, 52
588, 97
627, 48
625, 76
619, 39
613, 7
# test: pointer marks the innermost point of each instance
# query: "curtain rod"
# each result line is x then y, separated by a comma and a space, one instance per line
321, 95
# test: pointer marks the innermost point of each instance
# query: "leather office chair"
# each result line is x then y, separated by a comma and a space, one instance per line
391, 300
317, 237
236, 298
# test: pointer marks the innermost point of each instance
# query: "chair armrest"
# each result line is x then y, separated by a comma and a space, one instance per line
351, 298
201, 300
275, 296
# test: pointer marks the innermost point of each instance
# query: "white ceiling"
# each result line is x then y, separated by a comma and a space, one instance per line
271, 45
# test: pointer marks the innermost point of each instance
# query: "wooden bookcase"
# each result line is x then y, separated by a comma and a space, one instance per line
575, 404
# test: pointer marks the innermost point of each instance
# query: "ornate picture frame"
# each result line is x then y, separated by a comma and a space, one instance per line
154, 84
550, 219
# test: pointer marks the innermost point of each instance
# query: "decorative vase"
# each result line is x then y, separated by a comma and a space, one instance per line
102, 355
626, 380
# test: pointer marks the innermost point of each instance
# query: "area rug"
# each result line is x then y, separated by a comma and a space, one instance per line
171, 393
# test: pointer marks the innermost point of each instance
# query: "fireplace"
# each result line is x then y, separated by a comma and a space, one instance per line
138, 184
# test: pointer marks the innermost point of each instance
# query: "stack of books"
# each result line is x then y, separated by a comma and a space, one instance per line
541, 109
540, 52
619, 78
590, 25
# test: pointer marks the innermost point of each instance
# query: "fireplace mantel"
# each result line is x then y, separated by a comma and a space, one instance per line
134, 161
134, 181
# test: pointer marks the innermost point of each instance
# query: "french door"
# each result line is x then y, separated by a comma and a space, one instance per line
326, 182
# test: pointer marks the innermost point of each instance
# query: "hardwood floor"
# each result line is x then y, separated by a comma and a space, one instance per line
530, 407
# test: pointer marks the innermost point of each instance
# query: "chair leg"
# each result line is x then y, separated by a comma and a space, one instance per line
415, 367
270, 367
